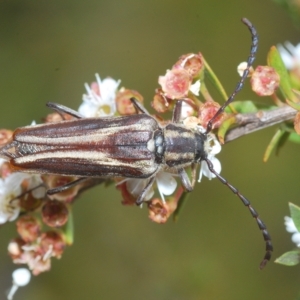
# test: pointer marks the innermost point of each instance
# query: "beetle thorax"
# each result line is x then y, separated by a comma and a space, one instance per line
182, 146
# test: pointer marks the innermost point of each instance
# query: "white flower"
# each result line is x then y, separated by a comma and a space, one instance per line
10, 188
195, 87
290, 227
186, 110
290, 55
166, 185
35, 184
21, 277
211, 147
100, 98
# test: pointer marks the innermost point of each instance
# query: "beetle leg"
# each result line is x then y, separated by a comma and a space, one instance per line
63, 109
65, 186
185, 180
177, 111
144, 192
138, 106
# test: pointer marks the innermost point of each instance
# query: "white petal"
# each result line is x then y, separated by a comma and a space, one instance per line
286, 57
166, 183
215, 148
3, 217
88, 109
39, 192
14, 180
136, 186
206, 172
297, 52
296, 238
186, 110
195, 87
289, 224
108, 89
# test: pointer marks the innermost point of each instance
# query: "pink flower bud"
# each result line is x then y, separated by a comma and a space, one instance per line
176, 83
28, 228
54, 241
160, 103
192, 63
207, 111
264, 80
123, 102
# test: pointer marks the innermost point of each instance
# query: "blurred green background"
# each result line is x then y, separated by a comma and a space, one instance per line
48, 49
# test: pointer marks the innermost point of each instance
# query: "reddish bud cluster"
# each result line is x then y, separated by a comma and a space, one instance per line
34, 247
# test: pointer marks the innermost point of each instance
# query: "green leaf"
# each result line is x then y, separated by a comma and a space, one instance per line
214, 79
293, 104
282, 141
295, 214
276, 142
244, 106
224, 128
290, 258
294, 137
68, 228
274, 60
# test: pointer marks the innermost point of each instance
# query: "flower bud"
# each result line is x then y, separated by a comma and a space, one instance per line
207, 111
54, 181
5, 136
160, 103
30, 203
28, 228
123, 102
264, 80
158, 211
54, 213
192, 63
54, 241
176, 83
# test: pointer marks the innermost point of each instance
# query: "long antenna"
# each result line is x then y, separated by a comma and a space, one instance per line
246, 202
240, 84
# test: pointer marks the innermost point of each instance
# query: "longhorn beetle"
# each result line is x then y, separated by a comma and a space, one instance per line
134, 146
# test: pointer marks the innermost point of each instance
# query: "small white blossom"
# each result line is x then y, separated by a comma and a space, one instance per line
290, 227
290, 55
21, 277
10, 188
211, 147
166, 185
100, 98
